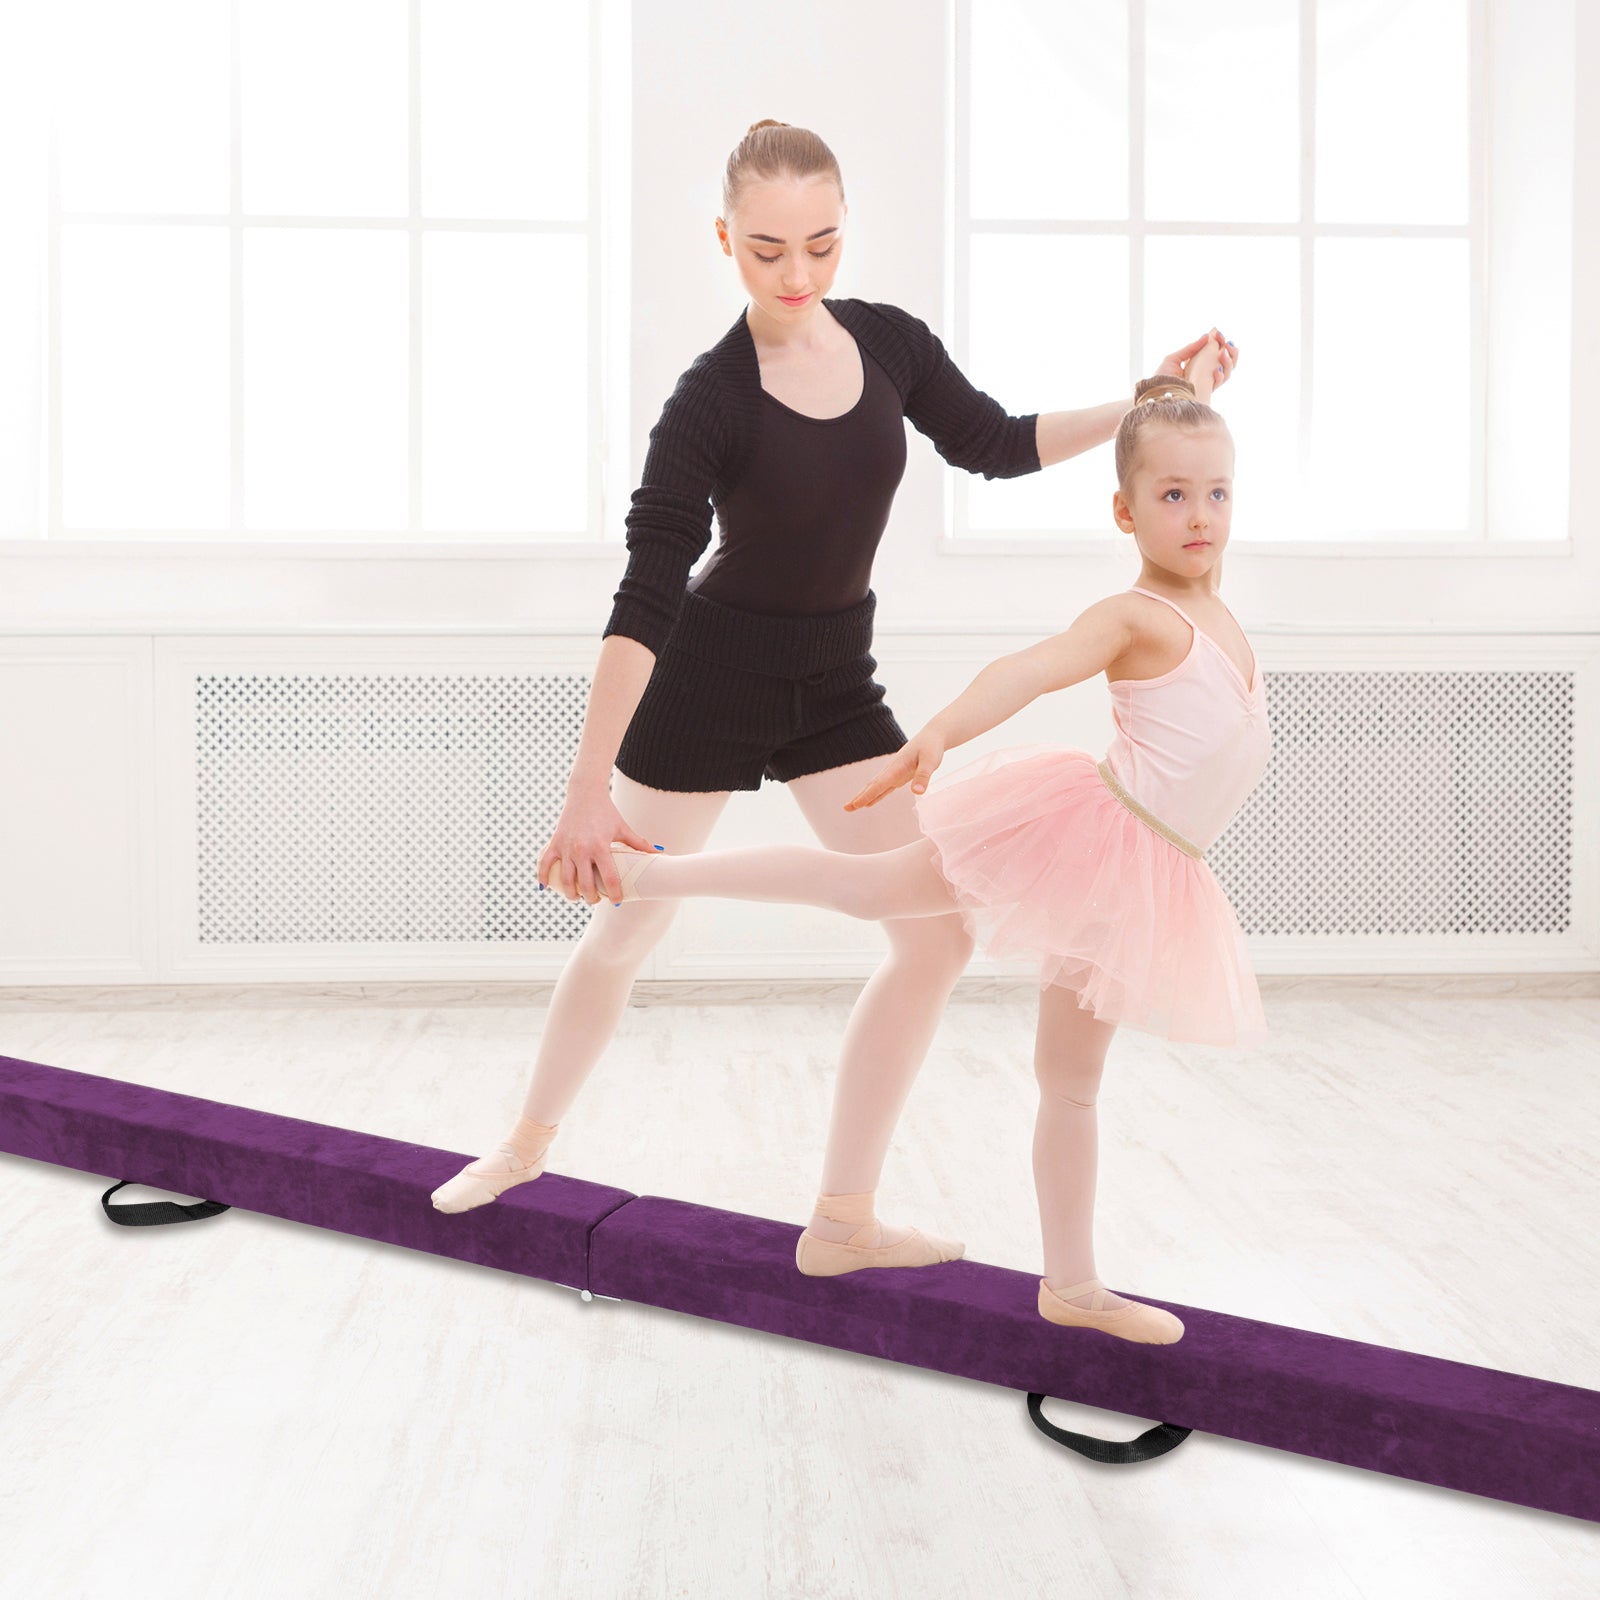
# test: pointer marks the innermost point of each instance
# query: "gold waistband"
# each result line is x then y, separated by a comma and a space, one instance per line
1111, 782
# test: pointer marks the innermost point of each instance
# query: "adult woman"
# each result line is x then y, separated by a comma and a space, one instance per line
792, 427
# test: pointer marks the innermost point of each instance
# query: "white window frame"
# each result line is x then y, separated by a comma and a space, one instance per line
606, 400
961, 540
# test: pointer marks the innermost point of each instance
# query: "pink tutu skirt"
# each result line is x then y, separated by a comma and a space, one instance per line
1045, 862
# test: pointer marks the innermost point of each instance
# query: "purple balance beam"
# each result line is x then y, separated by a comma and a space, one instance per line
303, 1171
1486, 1432
1525, 1440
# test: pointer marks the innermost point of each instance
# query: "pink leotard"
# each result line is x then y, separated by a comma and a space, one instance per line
1191, 744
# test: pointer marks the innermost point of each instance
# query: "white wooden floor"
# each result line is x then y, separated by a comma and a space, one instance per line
251, 1407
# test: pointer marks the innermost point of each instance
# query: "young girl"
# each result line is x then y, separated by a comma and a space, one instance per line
1095, 870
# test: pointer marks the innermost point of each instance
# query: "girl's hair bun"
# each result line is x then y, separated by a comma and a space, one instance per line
1153, 389
1158, 402
766, 122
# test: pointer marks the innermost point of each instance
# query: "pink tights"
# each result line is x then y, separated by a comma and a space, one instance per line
891, 1025
880, 868
1070, 1043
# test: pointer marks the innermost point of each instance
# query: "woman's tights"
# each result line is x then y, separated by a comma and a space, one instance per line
891, 1025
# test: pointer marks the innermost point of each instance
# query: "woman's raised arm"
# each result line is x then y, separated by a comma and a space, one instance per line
973, 430
1069, 433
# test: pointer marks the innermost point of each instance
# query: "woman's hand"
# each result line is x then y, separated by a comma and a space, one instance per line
914, 762
1177, 365
581, 848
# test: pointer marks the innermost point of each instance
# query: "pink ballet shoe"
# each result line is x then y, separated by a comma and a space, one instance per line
827, 1258
628, 871
1143, 1324
477, 1185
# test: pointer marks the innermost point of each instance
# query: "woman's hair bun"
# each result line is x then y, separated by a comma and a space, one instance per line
1153, 389
793, 154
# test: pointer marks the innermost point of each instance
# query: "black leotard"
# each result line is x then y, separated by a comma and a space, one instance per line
802, 502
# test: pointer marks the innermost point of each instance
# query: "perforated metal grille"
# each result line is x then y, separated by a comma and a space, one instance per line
365, 808
1408, 803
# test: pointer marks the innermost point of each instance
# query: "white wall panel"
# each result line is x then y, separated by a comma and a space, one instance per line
375, 808
281, 808
76, 864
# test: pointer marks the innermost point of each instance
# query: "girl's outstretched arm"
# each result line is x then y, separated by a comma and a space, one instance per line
1092, 642
1090, 645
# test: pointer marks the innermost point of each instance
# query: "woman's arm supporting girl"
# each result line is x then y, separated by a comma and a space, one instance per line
1063, 434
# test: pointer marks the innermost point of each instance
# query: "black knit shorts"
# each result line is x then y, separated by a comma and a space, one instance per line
737, 696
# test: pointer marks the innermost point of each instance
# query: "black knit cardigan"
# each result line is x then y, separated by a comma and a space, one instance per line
707, 432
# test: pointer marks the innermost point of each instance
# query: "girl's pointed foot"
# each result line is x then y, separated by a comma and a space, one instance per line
818, 1257
630, 863
1130, 1320
518, 1159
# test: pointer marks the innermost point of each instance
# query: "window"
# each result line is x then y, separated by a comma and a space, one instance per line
329, 269
1316, 180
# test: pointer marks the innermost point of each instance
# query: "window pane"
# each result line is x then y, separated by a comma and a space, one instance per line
1049, 330
1390, 399
1391, 111
1528, 260
1049, 109
1250, 289
325, 380
505, 383
1222, 111
505, 109
143, 105
324, 118
144, 377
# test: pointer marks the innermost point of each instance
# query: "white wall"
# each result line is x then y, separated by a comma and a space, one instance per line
873, 80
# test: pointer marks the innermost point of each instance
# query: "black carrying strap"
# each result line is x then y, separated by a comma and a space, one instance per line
1156, 1441
152, 1213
